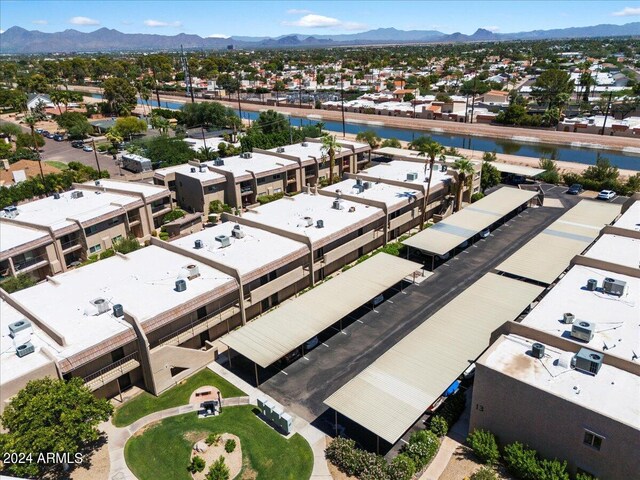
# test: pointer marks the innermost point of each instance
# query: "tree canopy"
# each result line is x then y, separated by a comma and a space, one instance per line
50, 415
208, 114
120, 95
552, 88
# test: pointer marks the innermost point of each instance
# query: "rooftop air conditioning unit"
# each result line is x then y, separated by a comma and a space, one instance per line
118, 310
587, 361
358, 182
218, 162
309, 221
443, 168
582, 330
56, 196
592, 284
568, 318
280, 149
224, 241
337, 204
305, 144
97, 183
237, 231
193, 271
101, 304
198, 244
181, 285
25, 349
77, 194
320, 224
193, 170
352, 209
18, 326
367, 185
246, 155
10, 212
615, 287
537, 350
203, 168
412, 176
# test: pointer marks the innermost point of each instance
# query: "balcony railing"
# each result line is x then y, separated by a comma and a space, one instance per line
157, 208
22, 264
112, 371
70, 244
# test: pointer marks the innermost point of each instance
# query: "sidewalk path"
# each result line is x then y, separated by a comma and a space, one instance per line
118, 437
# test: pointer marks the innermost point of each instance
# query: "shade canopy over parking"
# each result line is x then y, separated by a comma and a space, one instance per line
549, 253
272, 336
446, 235
393, 392
523, 170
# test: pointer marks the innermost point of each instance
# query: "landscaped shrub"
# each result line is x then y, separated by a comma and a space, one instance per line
342, 452
439, 426
213, 439
484, 445
553, 470
174, 214
522, 461
485, 473
263, 199
585, 476
402, 468
218, 471
127, 245
453, 407
216, 206
423, 446
230, 445
197, 464
19, 282
107, 253
477, 196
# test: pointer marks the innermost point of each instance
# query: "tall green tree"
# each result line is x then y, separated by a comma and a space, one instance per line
271, 122
50, 416
553, 88
330, 147
490, 176
370, 137
120, 95
428, 150
128, 126
465, 170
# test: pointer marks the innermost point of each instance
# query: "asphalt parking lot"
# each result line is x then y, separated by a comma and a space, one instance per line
303, 385
65, 153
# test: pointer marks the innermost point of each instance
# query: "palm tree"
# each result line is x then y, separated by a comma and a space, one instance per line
330, 146
431, 149
56, 97
465, 169
31, 120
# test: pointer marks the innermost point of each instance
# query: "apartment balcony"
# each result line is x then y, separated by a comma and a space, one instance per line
134, 220
291, 180
160, 209
71, 246
187, 332
111, 372
30, 264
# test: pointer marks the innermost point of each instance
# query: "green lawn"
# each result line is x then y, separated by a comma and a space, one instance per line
162, 452
145, 403
58, 165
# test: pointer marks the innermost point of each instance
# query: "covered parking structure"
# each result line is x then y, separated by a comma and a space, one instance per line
279, 332
550, 252
508, 169
390, 395
460, 227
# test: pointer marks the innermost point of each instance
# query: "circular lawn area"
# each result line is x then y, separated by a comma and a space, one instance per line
163, 450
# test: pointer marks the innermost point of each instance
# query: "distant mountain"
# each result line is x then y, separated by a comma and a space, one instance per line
18, 40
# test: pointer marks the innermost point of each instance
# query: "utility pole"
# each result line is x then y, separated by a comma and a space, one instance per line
344, 133
473, 97
95, 153
239, 106
606, 115
187, 76
37, 150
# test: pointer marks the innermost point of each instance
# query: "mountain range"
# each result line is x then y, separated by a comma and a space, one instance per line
17, 40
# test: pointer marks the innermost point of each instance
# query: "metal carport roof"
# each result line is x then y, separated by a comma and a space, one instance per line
272, 336
517, 169
393, 392
444, 236
549, 253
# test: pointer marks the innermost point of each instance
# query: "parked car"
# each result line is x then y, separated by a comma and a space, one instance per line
58, 137
606, 195
39, 130
311, 344
46, 134
77, 144
485, 233
377, 300
87, 148
575, 189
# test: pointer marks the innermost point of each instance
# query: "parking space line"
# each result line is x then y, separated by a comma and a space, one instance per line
359, 321
389, 301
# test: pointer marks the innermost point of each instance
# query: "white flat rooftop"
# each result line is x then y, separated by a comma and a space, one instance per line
613, 392
13, 235
59, 213
313, 150
617, 326
257, 249
389, 194
204, 176
630, 219
398, 169
258, 163
290, 214
616, 249
147, 189
143, 282
12, 366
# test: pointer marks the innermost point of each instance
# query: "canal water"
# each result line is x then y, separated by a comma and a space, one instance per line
556, 152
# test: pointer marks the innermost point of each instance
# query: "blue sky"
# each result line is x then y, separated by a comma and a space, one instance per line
272, 18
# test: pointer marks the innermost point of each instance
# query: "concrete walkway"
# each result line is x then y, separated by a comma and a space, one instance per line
118, 437
316, 438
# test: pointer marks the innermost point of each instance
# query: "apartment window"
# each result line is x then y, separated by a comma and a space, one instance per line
261, 181
201, 313
116, 239
277, 176
592, 439
277, 190
95, 248
91, 230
